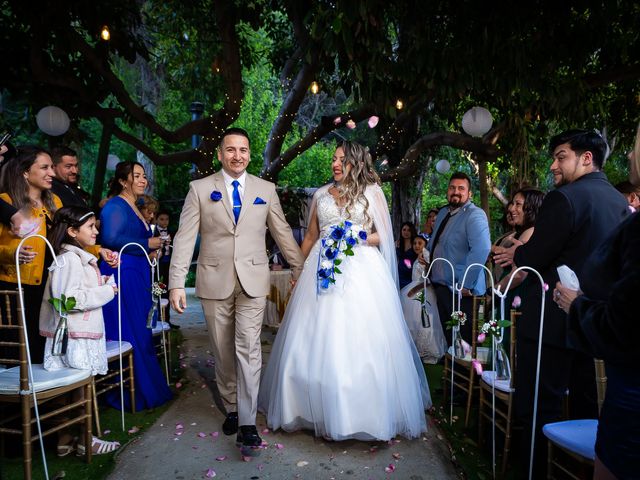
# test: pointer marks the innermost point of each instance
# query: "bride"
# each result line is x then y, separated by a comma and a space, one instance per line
343, 363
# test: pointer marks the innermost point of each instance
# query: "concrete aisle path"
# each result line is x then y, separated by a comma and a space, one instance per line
187, 442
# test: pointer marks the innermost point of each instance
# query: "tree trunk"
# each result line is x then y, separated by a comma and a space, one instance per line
484, 190
101, 163
406, 201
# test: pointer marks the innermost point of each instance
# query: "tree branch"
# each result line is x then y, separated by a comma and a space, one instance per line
409, 163
325, 127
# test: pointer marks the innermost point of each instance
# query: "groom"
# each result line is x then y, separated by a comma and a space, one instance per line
231, 211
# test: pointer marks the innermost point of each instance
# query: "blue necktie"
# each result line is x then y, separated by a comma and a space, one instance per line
237, 203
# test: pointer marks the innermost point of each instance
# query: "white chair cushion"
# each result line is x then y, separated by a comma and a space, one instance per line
42, 379
489, 377
577, 436
113, 350
160, 326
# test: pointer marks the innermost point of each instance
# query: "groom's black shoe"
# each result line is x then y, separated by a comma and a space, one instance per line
230, 425
248, 436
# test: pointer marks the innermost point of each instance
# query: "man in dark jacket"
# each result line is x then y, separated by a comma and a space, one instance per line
573, 220
65, 183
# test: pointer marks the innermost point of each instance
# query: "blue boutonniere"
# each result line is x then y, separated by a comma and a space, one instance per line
216, 196
335, 247
259, 201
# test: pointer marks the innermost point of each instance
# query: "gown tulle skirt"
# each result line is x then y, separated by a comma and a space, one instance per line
343, 362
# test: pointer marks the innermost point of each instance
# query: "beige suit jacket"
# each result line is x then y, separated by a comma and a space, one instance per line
227, 249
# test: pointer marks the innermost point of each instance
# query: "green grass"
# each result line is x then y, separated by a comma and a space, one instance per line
101, 465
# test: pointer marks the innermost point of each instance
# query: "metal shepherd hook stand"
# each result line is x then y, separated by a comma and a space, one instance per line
26, 338
453, 306
535, 395
152, 264
493, 358
161, 315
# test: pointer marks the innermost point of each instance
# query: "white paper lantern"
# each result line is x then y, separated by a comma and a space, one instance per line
443, 166
53, 121
112, 161
477, 121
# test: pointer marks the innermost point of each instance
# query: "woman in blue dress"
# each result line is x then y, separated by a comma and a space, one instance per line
122, 223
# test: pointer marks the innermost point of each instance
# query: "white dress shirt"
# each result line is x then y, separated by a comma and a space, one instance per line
227, 182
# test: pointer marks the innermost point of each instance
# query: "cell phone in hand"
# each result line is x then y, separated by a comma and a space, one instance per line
568, 278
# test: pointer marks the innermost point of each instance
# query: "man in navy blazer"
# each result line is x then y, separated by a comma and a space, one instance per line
573, 220
462, 237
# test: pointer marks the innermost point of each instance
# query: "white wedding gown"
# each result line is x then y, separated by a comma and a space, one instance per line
343, 363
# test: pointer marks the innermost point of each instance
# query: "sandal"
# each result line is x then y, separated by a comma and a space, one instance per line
64, 450
99, 447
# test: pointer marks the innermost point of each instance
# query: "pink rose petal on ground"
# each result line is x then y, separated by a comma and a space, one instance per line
215, 434
194, 447
178, 433
178, 385
373, 121
517, 301
134, 430
106, 432
202, 435
260, 467
337, 120
221, 458
351, 124
481, 338
390, 468
210, 473
279, 446
265, 431
397, 456
246, 459
302, 463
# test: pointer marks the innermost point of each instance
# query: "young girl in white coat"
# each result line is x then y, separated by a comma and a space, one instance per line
77, 275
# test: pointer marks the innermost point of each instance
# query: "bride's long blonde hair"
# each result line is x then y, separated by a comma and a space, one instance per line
356, 180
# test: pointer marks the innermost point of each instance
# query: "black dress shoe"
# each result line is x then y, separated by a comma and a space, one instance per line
230, 425
248, 436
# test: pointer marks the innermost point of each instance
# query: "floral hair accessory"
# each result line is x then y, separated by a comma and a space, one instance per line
216, 196
334, 248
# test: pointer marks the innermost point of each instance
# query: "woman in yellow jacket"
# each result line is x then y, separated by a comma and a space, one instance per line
26, 184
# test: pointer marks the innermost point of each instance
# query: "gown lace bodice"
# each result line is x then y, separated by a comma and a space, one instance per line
329, 214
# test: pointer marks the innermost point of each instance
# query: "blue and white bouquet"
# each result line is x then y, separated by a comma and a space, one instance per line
335, 247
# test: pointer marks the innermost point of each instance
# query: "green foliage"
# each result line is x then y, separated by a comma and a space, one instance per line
63, 304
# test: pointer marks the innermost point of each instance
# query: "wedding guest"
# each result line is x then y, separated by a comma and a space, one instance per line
429, 223
148, 207
404, 252
66, 182
631, 193
30, 189
420, 311
603, 322
74, 230
164, 261
122, 223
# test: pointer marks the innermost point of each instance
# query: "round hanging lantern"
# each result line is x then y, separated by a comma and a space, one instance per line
443, 166
112, 161
477, 121
53, 121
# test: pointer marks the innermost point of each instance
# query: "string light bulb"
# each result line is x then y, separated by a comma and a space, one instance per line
399, 104
315, 88
105, 34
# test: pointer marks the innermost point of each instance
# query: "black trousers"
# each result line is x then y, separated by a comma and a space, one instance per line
443, 296
164, 276
561, 370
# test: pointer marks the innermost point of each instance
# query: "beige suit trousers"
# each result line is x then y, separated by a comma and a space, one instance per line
234, 325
